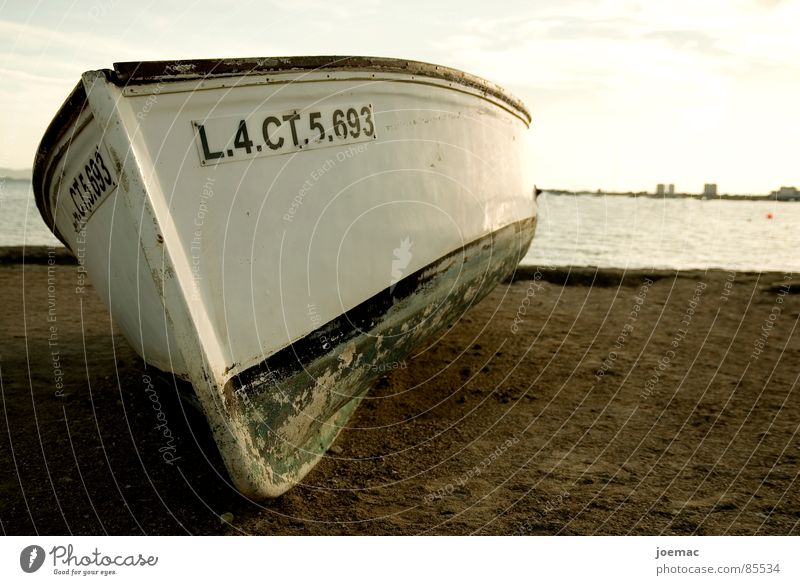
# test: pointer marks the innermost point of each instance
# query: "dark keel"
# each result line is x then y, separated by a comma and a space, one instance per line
295, 402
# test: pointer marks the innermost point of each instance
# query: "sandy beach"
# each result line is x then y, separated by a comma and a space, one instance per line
567, 402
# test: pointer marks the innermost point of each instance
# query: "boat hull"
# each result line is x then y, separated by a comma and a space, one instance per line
308, 392
274, 233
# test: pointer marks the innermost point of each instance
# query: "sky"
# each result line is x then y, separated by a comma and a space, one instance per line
624, 94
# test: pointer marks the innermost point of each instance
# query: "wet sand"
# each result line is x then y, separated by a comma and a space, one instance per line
567, 402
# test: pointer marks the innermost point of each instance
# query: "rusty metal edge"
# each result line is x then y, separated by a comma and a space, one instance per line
143, 72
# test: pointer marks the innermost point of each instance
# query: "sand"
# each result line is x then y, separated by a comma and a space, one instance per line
544, 410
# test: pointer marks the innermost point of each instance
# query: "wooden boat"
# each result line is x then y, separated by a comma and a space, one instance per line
273, 229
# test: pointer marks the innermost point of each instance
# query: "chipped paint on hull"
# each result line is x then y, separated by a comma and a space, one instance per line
292, 419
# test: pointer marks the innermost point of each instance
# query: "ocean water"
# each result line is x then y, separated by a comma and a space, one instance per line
585, 230
626, 232
20, 222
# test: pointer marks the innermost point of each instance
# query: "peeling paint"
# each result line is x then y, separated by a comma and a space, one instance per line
346, 357
293, 420
122, 176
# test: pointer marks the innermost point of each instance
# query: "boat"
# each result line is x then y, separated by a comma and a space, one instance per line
273, 230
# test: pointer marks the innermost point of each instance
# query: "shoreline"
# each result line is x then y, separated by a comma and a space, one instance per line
11, 255
562, 275
594, 276
694, 196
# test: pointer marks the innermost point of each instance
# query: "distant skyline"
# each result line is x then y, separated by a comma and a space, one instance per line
623, 94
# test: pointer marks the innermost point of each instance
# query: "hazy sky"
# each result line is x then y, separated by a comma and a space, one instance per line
624, 94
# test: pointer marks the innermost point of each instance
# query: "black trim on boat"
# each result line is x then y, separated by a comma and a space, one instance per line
136, 72
67, 114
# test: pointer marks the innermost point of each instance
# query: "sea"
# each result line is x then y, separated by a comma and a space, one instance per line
612, 231
608, 231
20, 222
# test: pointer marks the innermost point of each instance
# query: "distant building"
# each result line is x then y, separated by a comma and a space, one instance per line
786, 194
710, 190
660, 189
671, 189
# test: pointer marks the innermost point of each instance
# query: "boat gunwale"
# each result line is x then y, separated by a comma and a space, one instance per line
145, 72
46, 158
131, 73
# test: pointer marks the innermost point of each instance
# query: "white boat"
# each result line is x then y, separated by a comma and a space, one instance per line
273, 230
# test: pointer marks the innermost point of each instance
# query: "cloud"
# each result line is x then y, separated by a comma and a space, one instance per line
689, 40
43, 40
